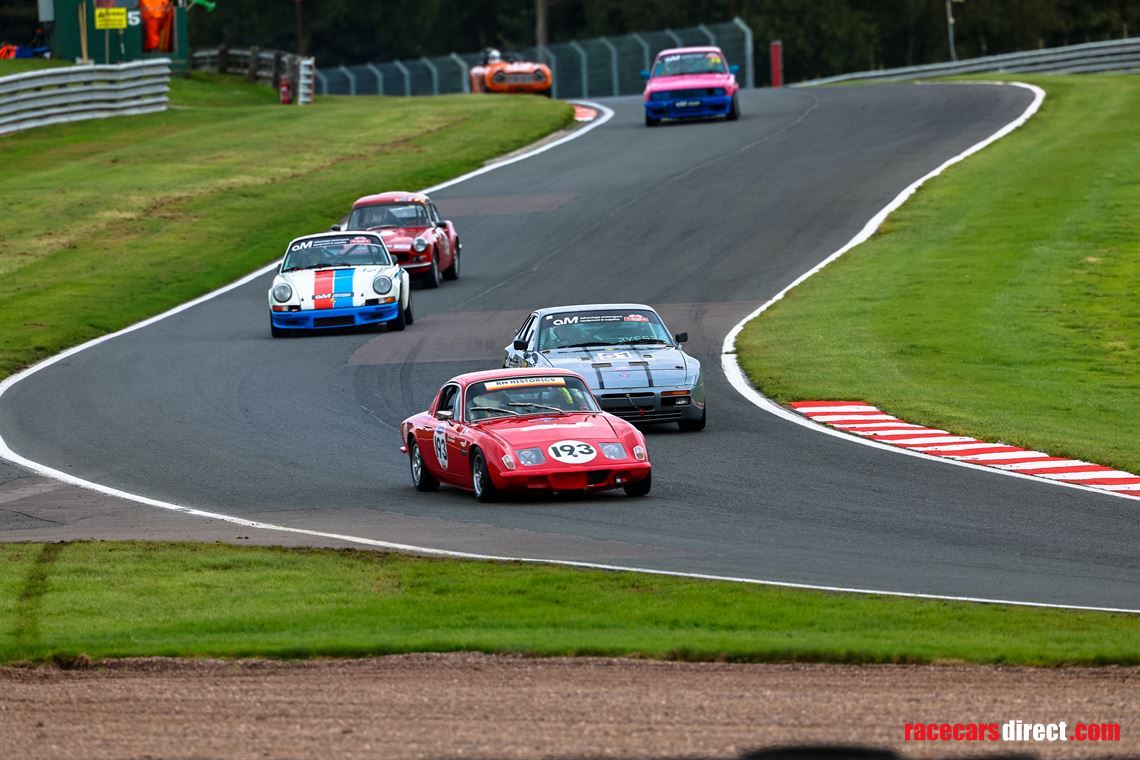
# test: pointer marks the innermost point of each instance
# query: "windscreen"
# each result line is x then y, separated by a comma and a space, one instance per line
708, 62
517, 396
389, 215
328, 252
597, 328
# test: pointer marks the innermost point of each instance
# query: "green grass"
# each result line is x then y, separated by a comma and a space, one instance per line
60, 601
20, 65
107, 222
1001, 301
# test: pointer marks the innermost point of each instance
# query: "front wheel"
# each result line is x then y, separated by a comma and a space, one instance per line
452, 272
734, 110
650, 121
432, 278
421, 478
278, 332
640, 488
481, 482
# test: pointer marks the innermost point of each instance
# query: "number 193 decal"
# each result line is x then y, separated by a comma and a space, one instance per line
572, 452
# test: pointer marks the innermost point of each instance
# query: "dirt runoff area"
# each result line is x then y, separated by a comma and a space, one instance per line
478, 706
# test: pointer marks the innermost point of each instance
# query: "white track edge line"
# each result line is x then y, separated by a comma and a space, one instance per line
742, 385
7, 453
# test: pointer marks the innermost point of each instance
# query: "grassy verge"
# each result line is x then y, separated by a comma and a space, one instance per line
20, 65
107, 222
999, 302
141, 599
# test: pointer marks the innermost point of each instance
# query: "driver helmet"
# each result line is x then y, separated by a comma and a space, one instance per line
492, 55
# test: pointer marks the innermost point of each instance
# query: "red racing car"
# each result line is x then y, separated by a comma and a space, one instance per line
523, 430
422, 242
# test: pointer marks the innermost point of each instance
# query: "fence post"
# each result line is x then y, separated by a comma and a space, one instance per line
223, 58
776, 59
585, 68
407, 77
676, 40
644, 48
254, 64
748, 52
543, 50
434, 75
323, 80
277, 68
463, 72
350, 77
379, 78
705, 31
613, 63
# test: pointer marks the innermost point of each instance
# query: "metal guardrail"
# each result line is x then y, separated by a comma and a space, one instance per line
598, 67
264, 66
54, 96
1086, 58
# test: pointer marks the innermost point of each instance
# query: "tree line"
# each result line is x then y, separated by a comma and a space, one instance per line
821, 37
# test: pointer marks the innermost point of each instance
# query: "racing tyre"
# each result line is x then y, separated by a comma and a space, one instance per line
734, 111
278, 332
409, 317
640, 488
421, 478
452, 272
650, 121
400, 322
431, 278
481, 483
692, 426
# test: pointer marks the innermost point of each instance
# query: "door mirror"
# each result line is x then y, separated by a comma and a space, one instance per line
336, 228
681, 337
645, 74
519, 345
734, 69
444, 415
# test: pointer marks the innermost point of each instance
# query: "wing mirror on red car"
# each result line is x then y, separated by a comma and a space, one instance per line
444, 415
681, 337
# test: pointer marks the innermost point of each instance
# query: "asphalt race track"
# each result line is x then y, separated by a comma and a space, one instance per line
705, 221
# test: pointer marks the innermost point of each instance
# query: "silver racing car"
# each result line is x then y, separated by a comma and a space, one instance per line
632, 363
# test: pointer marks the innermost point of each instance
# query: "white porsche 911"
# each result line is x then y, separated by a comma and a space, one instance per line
338, 279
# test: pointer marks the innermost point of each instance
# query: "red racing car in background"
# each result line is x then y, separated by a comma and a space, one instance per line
423, 243
523, 430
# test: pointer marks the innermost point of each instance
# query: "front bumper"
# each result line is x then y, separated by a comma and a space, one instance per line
648, 406
707, 105
322, 319
596, 476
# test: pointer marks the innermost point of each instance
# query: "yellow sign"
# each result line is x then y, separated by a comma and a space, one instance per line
110, 18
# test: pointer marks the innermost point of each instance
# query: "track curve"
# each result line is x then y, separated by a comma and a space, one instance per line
706, 221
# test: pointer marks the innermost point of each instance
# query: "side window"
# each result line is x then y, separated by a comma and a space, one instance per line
433, 212
449, 400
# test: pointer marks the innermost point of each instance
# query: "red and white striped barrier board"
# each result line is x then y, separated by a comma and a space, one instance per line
859, 418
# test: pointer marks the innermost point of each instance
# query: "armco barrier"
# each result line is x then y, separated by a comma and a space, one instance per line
73, 93
582, 68
1090, 57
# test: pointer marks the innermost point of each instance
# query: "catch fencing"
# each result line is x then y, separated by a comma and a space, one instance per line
268, 67
591, 68
1087, 58
74, 93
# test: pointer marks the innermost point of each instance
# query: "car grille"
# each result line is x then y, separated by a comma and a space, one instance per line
597, 477
634, 415
692, 93
333, 321
519, 78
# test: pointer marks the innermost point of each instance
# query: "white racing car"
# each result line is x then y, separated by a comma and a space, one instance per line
341, 279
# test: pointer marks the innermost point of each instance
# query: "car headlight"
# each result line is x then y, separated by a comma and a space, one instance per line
717, 91
419, 245
613, 451
531, 457
382, 284
639, 453
282, 292
660, 95
539, 75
